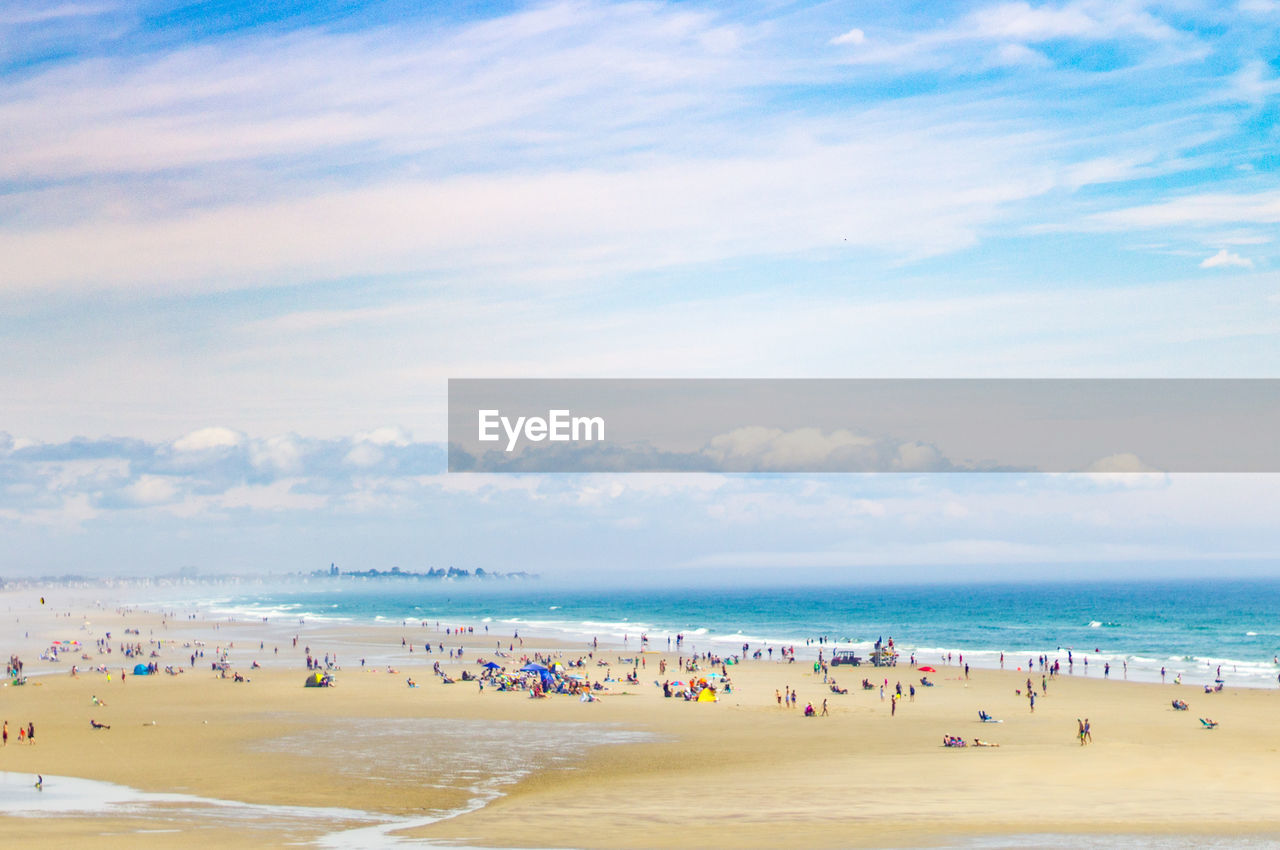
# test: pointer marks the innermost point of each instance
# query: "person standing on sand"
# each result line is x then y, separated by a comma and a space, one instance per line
824, 708
1080, 730
31, 733
1088, 732
5, 734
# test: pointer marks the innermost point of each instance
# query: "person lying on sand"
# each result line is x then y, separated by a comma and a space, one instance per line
96, 725
978, 742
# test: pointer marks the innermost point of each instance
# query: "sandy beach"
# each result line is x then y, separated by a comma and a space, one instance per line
632, 769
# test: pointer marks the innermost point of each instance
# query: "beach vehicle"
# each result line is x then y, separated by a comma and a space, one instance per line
845, 656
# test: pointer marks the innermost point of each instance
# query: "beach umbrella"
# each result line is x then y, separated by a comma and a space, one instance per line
534, 668
490, 665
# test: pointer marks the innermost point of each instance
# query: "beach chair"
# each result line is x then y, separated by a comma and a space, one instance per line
1208, 724
1179, 705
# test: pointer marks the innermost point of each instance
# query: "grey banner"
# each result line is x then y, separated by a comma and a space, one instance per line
978, 425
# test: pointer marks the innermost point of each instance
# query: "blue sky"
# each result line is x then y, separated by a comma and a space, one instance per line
243, 245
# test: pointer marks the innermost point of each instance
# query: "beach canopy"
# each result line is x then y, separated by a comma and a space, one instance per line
534, 668
707, 695
927, 670
314, 680
140, 670
491, 665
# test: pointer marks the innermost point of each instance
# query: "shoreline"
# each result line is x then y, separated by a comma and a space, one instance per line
1258, 673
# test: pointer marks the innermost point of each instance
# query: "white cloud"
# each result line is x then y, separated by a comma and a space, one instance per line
1018, 55
150, 490
1090, 21
1199, 209
853, 36
364, 455
1254, 83
755, 448
388, 435
17, 15
1126, 462
209, 438
1226, 259
1083, 19
281, 453
276, 496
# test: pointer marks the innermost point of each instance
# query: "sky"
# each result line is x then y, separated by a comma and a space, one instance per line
244, 245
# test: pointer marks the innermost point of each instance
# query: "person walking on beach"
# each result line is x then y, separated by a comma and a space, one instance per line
1088, 732
1032, 696
31, 733
1080, 730
824, 708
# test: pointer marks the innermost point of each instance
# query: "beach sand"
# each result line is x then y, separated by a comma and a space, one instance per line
559, 772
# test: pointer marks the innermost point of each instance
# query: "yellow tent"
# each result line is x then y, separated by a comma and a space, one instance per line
707, 695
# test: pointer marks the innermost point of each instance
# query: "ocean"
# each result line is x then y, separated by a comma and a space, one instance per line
1190, 628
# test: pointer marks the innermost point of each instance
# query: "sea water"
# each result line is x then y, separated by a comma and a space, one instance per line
1188, 628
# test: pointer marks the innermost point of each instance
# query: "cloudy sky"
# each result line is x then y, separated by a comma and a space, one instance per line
243, 246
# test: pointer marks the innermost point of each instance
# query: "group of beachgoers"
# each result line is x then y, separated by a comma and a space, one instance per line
956, 741
26, 734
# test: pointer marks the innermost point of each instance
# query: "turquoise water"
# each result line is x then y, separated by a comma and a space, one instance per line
1190, 628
